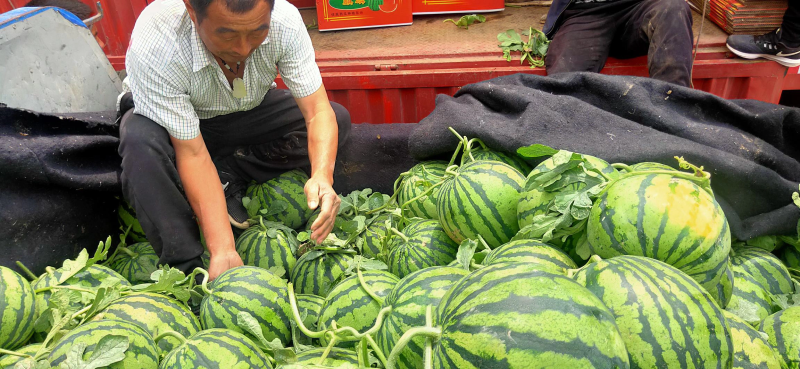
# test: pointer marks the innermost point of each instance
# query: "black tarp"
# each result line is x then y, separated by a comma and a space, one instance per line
751, 148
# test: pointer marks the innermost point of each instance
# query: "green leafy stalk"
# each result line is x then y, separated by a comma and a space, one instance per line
27, 271
427, 331
467, 20
533, 50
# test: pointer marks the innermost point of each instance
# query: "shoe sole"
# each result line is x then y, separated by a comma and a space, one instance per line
786, 62
243, 225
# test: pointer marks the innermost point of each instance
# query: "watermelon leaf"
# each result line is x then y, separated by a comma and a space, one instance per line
278, 271
72, 267
465, 252
105, 296
111, 349
167, 280
250, 325
536, 151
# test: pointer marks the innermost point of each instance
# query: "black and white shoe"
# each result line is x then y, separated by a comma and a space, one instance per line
768, 46
234, 192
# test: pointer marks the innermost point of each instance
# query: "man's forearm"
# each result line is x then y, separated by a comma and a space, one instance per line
323, 142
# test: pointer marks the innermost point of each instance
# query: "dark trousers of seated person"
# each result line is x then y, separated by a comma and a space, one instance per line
790, 28
660, 29
258, 144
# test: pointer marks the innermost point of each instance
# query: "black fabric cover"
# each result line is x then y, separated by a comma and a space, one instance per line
751, 148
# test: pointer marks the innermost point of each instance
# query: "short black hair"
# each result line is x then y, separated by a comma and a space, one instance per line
236, 6
76, 7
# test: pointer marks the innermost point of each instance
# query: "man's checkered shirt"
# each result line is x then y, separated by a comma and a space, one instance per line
175, 80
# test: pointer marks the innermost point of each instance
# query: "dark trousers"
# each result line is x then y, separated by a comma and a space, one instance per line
660, 29
258, 144
790, 34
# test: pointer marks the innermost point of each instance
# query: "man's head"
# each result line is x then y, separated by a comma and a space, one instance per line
231, 29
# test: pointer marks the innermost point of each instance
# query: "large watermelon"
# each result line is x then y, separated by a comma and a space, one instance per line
288, 188
377, 233
418, 180
18, 311
409, 300
9, 361
513, 315
750, 301
486, 154
126, 217
665, 317
155, 314
783, 329
316, 272
750, 349
135, 262
311, 305
268, 245
216, 349
531, 252
481, 200
93, 276
765, 268
665, 218
142, 352
337, 358
724, 290
351, 306
252, 290
425, 245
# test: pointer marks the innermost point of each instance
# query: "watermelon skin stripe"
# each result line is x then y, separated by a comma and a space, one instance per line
409, 299
783, 329
765, 268
216, 349
501, 316
311, 304
531, 251
258, 249
752, 351
141, 354
17, 311
664, 316
308, 275
143, 265
410, 188
428, 245
749, 296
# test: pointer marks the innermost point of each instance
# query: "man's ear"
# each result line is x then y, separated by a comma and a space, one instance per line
191, 11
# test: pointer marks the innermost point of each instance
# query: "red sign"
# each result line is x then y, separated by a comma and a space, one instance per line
348, 14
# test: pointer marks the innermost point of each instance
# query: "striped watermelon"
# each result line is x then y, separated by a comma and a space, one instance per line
376, 233
142, 352
135, 262
665, 218
512, 315
724, 290
127, 218
665, 317
765, 268
418, 180
9, 361
750, 301
216, 349
531, 252
481, 200
93, 276
426, 245
316, 272
650, 166
351, 306
790, 257
289, 188
783, 329
252, 290
18, 311
750, 349
487, 154
337, 358
311, 305
409, 300
268, 245
155, 314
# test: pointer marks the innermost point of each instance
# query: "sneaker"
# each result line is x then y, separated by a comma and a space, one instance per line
768, 46
234, 192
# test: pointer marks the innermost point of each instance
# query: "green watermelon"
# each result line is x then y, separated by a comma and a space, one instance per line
142, 352
532, 252
288, 188
481, 200
316, 272
418, 180
426, 245
487, 154
765, 268
665, 218
155, 314
376, 234
311, 305
513, 315
337, 358
268, 245
127, 218
216, 349
18, 312
351, 306
135, 262
93, 276
665, 317
251, 290
409, 300
750, 301
790, 257
9, 361
751, 350
783, 330
724, 290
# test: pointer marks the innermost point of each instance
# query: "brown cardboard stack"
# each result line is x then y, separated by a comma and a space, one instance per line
744, 16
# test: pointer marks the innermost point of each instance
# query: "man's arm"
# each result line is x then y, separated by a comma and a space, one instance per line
323, 142
203, 189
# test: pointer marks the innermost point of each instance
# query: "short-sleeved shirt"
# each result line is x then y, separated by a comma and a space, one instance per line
175, 80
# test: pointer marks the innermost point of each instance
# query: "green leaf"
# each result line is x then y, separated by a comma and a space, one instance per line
369, 264
284, 356
246, 322
582, 248
168, 280
72, 267
467, 20
111, 349
536, 151
465, 252
276, 207
278, 271
303, 236
104, 297
28, 363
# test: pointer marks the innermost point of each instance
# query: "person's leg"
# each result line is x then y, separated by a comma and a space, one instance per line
781, 45
151, 184
790, 28
581, 43
661, 29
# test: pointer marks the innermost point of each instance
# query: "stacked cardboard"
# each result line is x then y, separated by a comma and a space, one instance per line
744, 16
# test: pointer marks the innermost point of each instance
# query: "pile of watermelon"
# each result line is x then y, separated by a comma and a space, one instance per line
480, 262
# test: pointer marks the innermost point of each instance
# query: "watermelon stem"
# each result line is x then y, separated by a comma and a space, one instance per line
331, 342
423, 194
14, 353
376, 349
366, 288
622, 166
127, 251
45, 289
428, 331
428, 358
27, 271
400, 234
483, 242
204, 284
170, 333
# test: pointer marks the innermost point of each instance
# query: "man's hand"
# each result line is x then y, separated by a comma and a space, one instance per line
221, 262
320, 193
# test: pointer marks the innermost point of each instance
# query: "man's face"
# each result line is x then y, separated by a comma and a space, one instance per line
232, 37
